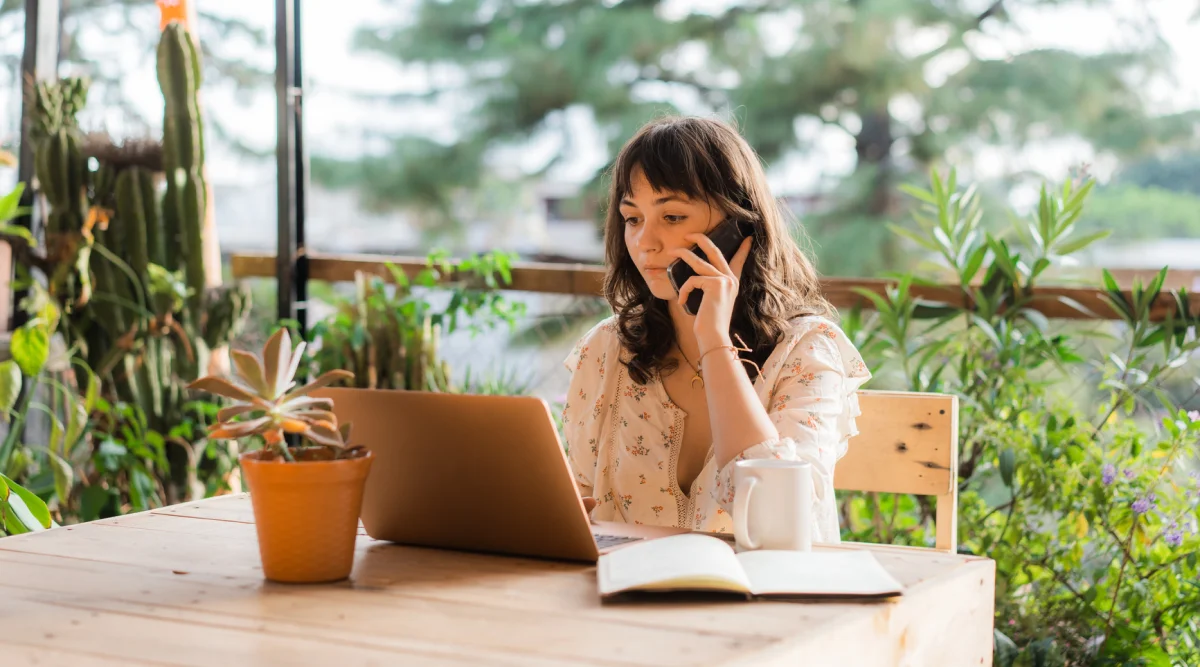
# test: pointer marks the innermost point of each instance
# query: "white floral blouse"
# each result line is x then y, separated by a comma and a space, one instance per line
623, 438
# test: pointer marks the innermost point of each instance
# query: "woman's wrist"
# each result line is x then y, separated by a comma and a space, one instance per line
723, 351
707, 344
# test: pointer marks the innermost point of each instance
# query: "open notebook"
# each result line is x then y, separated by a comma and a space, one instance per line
694, 562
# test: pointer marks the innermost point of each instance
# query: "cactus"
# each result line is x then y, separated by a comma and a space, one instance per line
63, 176
183, 162
152, 320
228, 307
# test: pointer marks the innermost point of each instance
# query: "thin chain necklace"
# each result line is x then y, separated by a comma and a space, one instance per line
698, 377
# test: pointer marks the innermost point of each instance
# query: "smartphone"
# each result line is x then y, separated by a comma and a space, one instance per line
727, 236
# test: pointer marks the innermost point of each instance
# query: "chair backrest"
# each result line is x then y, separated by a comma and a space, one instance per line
907, 442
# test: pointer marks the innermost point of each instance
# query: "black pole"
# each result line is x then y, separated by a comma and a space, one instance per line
291, 266
39, 62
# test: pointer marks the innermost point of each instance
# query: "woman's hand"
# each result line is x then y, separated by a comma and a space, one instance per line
719, 280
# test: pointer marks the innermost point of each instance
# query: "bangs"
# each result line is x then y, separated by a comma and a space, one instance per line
671, 162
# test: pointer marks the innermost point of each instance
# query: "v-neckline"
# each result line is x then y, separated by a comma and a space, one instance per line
679, 416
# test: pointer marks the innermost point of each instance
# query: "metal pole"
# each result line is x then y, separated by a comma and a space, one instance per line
291, 266
39, 62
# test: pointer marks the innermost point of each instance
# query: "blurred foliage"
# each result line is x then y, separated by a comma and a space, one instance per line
1134, 212
510, 70
1087, 501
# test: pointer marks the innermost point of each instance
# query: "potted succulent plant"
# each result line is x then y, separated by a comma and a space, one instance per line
306, 498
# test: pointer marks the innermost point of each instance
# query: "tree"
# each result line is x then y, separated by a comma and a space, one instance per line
516, 66
1178, 173
1157, 197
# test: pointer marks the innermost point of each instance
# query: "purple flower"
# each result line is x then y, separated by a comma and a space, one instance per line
1173, 536
1141, 505
1128, 473
1110, 473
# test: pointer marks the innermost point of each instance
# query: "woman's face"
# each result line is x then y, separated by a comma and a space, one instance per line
657, 224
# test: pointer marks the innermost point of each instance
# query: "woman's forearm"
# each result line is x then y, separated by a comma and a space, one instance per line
737, 416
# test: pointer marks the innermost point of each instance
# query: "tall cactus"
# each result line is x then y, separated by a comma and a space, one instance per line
183, 162
63, 176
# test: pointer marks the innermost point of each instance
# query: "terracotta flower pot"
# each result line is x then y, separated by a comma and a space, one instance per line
306, 514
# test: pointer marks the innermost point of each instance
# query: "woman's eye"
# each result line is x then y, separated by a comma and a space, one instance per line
674, 218
631, 221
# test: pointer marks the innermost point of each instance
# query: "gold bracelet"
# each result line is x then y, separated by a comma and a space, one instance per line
735, 351
700, 361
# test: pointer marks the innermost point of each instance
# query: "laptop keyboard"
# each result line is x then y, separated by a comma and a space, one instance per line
606, 541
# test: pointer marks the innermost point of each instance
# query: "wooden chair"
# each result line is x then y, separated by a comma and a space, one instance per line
907, 442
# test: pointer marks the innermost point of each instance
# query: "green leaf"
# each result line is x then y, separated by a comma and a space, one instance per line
881, 303
30, 348
919, 193
56, 434
93, 500
935, 180
1003, 260
64, 477
1072, 303
10, 202
398, 275
77, 421
35, 509
1110, 283
987, 330
92, 392
1037, 319
1008, 464
12, 521
913, 236
10, 387
1004, 650
19, 231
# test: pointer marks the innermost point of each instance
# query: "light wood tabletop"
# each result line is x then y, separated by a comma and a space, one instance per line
183, 585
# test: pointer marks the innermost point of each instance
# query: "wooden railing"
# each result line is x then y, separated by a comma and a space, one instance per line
1075, 303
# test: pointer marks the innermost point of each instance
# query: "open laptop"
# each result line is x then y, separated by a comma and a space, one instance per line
475, 473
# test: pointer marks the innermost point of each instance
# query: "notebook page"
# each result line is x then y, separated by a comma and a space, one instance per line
679, 562
840, 572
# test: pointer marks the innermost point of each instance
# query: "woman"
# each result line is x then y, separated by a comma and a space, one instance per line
662, 403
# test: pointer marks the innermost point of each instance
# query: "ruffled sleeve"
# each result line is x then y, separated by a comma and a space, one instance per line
589, 399
809, 387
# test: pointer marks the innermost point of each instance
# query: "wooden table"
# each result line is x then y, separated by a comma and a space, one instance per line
183, 585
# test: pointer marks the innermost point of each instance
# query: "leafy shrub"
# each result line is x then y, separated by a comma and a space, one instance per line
1076, 467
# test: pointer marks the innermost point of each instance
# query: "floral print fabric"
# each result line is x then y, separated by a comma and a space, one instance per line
623, 438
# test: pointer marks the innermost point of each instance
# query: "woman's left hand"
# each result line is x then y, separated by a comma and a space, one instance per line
719, 280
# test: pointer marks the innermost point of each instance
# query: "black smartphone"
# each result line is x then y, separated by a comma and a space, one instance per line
727, 236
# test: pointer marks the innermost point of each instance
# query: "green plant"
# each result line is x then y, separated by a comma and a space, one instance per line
264, 395
125, 261
1074, 462
22, 510
388, 335
129, 470
62, 174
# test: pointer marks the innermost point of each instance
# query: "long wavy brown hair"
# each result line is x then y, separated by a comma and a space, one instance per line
707, 160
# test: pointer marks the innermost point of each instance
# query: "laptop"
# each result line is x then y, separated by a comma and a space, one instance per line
473, 473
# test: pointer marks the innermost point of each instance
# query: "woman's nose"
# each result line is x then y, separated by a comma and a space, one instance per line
649, 237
